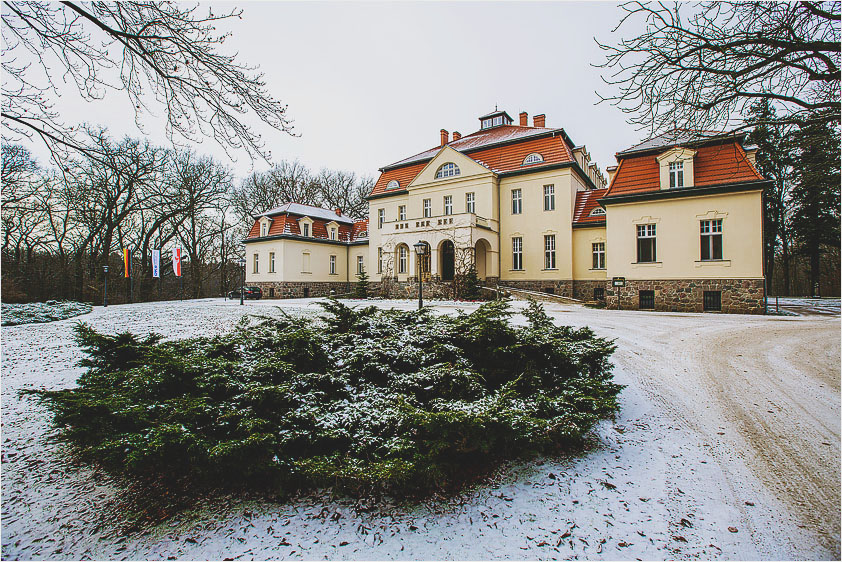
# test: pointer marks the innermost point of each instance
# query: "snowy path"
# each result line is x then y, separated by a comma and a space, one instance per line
728, 421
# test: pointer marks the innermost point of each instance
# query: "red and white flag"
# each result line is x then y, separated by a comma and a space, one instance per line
176, 261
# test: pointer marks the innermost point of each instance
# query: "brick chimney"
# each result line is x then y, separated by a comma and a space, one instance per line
539, 120
456, 135
444, 135
524, 119
338, 212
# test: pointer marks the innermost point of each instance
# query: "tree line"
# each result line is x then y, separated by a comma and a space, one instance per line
62, 226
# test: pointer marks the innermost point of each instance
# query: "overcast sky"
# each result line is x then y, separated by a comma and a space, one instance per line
370, 83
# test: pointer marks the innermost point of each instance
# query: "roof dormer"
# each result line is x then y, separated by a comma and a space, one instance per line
265, 224
676, 168
305, 227
332, 230
495, 119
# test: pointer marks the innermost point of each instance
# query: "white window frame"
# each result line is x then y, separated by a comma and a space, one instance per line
256, 264
517, 253
471, 203
333, 233
332, 264
394, 184
549, 197
448, 204
447, 170
264, 229
676, 172
403, 259
271, 262
549, 251
710, 228
401, 212
428, 208
597, 212
647, 232
598, 249
517, 201
360, 264
381, 217
305, 229
533, 158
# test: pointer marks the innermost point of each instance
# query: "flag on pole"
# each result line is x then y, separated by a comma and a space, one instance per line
127, 263
176, 261
156, 263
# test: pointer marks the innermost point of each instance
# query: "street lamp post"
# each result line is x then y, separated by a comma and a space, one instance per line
421, 250
242, 263
105, 293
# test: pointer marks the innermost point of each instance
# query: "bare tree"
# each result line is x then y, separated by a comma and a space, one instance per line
285, 182
343, 190
701, 66
164, 49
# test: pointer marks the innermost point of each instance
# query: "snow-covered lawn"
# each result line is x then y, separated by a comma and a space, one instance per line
38, 312
727, 446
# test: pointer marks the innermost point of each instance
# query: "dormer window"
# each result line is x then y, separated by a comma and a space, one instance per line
394, 184
305, 226
305, 230
264, 229
495, 120
447, 170
676, 174
597, 212
533, 158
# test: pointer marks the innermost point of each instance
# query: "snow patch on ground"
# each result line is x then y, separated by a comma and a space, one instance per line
666, 479
39, 312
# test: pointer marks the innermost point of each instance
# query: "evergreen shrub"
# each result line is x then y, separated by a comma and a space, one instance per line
363, 400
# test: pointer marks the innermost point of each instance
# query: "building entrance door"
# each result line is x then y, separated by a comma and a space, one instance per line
448, 259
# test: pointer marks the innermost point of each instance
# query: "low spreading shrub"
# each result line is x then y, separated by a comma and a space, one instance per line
363, 400
39, 312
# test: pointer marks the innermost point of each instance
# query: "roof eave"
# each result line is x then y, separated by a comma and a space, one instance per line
686, 192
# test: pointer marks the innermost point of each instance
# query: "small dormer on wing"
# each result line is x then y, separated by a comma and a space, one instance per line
332, 230
305, 227
449, 165
265, 224
676, 168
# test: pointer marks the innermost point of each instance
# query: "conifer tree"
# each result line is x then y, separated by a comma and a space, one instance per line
361, 288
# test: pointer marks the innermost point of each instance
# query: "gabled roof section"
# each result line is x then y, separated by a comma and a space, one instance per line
586, 201
500, 149
307, 211
679, 137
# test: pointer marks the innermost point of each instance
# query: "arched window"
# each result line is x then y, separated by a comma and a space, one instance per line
598, 211
394, 184
447, 170
533, 158
403, 258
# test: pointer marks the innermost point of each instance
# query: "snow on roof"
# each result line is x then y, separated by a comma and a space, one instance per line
307, 211
673, 137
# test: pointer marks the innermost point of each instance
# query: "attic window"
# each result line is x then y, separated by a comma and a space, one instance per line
394, 184
447, 170
495, 120
533, 158
598, 211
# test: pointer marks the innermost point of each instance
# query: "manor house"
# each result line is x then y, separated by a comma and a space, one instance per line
677, 226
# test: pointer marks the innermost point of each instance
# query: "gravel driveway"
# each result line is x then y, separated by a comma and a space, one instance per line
727, 446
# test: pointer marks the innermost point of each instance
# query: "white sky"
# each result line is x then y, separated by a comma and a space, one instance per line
371, 83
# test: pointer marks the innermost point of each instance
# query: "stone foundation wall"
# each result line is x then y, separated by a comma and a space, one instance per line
296, 289
583, 290
563, 288
739, 296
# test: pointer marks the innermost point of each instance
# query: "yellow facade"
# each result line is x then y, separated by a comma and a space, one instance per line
299, 260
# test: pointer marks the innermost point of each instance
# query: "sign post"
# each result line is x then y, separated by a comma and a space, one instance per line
618, 282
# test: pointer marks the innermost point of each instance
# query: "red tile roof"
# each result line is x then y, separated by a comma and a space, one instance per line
714, 164
288, 224
585, 204
501, 149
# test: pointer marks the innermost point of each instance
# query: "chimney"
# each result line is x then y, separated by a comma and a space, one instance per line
539, 120
524, 119
443, 137
456, 135
338, 212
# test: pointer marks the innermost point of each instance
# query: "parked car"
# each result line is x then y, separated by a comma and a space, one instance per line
248, 293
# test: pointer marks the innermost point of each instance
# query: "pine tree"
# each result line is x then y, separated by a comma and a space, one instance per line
470, 286
361, 288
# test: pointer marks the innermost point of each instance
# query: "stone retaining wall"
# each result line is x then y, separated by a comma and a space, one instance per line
739, 296
583, 290
562, 288
298, 289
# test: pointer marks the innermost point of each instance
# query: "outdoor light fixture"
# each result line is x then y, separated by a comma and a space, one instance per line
105, 292
421, 250
242, 263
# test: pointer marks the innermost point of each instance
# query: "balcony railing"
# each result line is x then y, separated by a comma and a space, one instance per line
438, 222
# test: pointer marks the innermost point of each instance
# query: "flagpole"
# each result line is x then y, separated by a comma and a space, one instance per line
131, 284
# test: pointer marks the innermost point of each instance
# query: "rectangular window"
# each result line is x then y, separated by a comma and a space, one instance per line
379, 260
517, 253
263, 229
598, 255
713, 301
549, 197
549, 251
647, 300
448, 204
271, 262
470, 203
360, 264
305, 262
676, 174
333, 234
517, 201
428, 208
402, 259
646, 243
333, 265
402, 213
381, 217
256, 264
711, 233
305, 230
